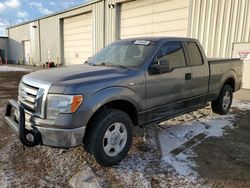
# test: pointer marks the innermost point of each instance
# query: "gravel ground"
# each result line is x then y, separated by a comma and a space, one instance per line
214, 157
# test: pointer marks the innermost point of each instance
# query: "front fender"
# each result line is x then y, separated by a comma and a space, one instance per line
104, 96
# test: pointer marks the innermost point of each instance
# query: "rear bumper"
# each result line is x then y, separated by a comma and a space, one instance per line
63, 138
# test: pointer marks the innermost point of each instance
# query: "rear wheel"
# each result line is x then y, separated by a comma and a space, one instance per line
109, 137
223, 103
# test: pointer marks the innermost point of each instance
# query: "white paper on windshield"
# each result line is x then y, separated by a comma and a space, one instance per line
142, 42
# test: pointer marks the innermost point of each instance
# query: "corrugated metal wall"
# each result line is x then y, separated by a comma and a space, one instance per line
51, 35
16, 37
217, 24
35, 42
50, 30
111, 21
4, 45
46, 38
98, 26
46, 34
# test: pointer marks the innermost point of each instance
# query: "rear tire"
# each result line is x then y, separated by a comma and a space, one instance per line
223, 103
109, 137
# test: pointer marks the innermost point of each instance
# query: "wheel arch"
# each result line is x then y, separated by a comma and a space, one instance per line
231, 82
119, 104
229, 79
120, 98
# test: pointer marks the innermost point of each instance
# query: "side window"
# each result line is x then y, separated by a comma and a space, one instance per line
172, 52
194, 54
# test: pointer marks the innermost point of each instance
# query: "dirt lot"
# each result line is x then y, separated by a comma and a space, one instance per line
201, 149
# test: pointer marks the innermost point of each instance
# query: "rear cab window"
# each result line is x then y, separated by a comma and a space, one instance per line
194, 52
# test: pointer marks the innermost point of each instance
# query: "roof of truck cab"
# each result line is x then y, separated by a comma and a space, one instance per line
160, 39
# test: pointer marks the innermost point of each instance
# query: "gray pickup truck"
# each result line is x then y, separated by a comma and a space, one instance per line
132, 82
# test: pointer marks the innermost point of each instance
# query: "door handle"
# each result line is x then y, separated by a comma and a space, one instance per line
188, 76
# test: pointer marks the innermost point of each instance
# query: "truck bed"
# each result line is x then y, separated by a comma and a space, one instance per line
220, 69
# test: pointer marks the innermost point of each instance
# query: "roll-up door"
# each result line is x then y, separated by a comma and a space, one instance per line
77, 36
153, 18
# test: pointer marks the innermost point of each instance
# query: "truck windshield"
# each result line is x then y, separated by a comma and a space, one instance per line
125, 54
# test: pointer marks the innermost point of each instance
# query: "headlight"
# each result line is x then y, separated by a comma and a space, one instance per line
62, 104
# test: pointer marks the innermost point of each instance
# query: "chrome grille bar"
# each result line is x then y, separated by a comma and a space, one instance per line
32, 95
29, 89
27, 96
27, 103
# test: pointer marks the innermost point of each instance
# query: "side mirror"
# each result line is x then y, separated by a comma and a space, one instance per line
162, 66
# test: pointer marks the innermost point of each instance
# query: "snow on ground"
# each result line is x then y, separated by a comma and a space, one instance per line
242, 105
176, 142
172, 165
6, 68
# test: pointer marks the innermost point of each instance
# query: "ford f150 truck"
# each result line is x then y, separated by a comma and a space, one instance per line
132, 82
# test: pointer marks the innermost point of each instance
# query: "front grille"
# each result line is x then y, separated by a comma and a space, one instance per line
27, 96
32, 96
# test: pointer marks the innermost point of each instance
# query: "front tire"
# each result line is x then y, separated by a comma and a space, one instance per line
223, 103
110, 136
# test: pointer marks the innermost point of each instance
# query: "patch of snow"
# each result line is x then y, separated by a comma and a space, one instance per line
175, 136
241, 105
182, 164
176, 142
6, 68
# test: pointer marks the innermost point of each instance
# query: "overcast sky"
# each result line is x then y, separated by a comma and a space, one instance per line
13, 12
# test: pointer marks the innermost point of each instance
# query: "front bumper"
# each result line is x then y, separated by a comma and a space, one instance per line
63, 138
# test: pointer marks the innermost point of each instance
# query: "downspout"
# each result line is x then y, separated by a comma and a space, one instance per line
39, 38
104, 23
8, 46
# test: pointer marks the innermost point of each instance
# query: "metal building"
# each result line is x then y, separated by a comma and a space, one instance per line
3, 49
73, 35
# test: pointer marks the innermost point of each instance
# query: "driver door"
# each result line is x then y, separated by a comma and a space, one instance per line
167, 92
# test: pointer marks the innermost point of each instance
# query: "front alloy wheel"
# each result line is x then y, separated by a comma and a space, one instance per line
109, 136
115, 139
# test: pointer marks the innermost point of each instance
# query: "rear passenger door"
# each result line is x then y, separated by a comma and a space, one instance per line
200, 72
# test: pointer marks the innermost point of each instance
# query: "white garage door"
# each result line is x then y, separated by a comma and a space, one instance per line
77, 35
154, 18
242, 50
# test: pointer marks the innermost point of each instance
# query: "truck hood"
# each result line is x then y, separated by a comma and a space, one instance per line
76, 73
